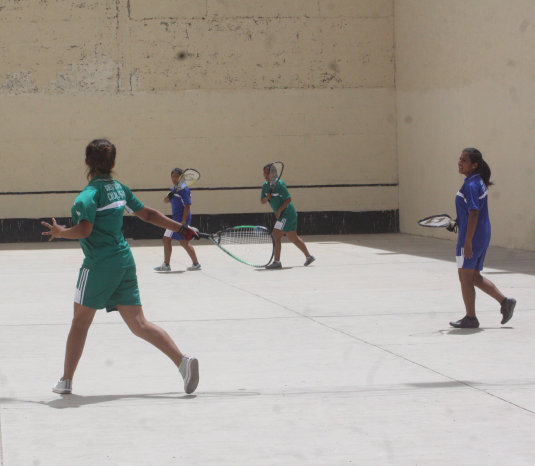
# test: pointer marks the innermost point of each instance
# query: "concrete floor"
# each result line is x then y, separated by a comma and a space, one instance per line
348, 361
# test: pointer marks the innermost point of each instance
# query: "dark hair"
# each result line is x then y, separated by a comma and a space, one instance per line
483, 168
177, 170
99, 157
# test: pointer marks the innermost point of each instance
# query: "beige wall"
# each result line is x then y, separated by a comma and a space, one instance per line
465, 76
223, 86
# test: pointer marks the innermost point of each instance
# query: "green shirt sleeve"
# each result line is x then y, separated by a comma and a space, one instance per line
283, 190
85, 206
132, 201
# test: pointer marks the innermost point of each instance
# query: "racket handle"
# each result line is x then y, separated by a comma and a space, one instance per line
188, 233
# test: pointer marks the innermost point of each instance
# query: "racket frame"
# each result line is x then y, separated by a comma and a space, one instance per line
274, 180
214, 238
446, 221
180, 185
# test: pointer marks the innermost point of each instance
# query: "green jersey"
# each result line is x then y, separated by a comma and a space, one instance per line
279, 194
102, 203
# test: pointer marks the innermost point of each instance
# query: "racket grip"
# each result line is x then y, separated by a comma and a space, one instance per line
188, 233
452, 226
171, 194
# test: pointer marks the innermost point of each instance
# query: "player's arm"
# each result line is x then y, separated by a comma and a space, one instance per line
265, 196
473, 216
185, 215
283, 206
80, 231
150, 215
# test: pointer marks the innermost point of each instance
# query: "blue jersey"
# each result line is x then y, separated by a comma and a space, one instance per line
179, 201
473, 196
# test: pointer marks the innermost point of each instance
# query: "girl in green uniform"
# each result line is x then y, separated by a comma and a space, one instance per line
280, 201
107, 278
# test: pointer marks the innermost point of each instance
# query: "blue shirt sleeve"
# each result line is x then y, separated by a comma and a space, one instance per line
472, 196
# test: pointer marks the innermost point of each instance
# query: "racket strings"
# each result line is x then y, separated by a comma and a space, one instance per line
251, 245
245, 236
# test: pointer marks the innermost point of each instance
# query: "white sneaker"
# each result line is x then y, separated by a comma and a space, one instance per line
189, 369
163, 268
194, 267
63, 387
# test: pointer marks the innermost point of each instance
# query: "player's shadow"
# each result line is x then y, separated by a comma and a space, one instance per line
471, 331
273, 270
75, 401
169, 272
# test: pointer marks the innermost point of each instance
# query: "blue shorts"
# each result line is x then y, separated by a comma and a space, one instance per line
474, 263
174, 235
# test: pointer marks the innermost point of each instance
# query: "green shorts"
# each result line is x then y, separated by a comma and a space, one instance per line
286, 222
101, 287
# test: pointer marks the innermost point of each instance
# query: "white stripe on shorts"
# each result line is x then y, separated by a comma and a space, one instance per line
80, 289
279, 224
460, 259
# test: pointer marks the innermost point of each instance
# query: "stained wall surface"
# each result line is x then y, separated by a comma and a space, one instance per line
221, 86
368, 102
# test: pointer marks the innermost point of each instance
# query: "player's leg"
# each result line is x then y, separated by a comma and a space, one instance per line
157, 336
167, 249
191, 253
81, 321
296, 239
466, 268
507, 305
466, 277
289, 223
484, 284
277, 236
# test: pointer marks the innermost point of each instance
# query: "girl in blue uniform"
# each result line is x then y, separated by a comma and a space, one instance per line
181, 207
474, 238
107, 278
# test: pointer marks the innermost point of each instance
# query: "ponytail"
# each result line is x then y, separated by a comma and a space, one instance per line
483, 168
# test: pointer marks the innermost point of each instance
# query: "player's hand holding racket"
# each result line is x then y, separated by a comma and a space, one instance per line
189, 233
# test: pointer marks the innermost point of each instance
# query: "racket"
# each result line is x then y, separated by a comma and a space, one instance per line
187, 179
275, 174
439, 221
248, 244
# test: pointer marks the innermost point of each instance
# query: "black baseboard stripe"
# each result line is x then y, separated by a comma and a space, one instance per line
16, 230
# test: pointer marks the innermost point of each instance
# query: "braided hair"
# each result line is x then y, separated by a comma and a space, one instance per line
483, 168
99, 157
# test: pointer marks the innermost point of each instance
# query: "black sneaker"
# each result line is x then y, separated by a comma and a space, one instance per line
466, 322
508, 306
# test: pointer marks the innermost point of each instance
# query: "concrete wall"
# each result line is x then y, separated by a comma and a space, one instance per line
465, 76
219, 85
